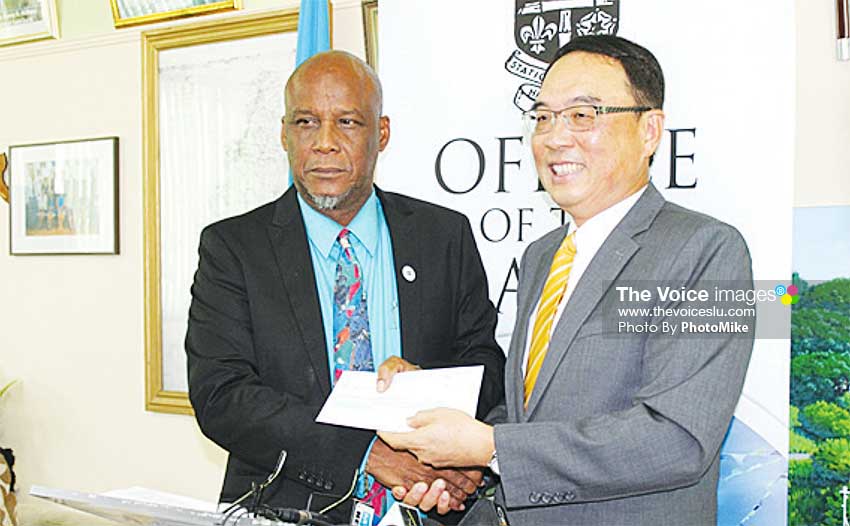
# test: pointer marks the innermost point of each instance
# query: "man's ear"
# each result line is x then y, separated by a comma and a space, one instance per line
653, 131
384, 131
283, 133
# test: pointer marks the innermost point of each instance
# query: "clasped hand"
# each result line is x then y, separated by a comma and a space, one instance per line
442, 438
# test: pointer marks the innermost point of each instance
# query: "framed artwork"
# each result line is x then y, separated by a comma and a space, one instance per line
134, 12
4, 188
370, 31
64, 197
213, 100
842, 9
26, 20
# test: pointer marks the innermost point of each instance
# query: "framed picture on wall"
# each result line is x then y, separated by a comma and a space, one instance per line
64, 197
4, 188
370, 31
26, 20
134, 12
213, 101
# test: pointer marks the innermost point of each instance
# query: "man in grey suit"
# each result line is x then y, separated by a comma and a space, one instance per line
605, 423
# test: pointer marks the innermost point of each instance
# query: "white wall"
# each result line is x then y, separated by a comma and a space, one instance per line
822, 166
72, 326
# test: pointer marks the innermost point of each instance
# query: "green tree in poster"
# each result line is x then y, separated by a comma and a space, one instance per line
832, 295
819, 376
819, 464
827, 420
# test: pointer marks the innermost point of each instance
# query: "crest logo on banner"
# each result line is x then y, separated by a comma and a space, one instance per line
543, 26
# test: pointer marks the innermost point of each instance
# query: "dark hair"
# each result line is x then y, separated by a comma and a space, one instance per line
641, 66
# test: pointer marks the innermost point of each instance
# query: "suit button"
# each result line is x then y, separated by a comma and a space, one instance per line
533, 497
320, 483
558, 497
329, 485
546, 498
569, 495
310, 479
302, 476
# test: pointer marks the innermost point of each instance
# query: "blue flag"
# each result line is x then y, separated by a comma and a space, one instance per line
314, 34
313, 29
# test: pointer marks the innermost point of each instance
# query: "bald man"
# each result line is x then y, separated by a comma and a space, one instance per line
334, 275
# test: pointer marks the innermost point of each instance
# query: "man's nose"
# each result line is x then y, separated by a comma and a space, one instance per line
560, 135
326, 138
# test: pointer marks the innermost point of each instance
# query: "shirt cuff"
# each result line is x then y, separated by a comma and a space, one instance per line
494, 465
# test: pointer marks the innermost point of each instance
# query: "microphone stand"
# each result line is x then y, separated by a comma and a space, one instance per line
256, 490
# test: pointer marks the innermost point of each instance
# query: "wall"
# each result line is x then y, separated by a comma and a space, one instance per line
822, 167
72, 327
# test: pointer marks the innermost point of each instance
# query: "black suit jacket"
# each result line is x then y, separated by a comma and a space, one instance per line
257, 360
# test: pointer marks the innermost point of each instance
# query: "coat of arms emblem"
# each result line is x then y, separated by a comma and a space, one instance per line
543, 26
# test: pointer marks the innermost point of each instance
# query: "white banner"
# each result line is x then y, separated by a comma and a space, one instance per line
456, 75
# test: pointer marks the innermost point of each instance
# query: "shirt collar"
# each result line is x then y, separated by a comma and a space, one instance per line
322, 231
594, 231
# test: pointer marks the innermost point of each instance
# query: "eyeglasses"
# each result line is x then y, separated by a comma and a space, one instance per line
577, 118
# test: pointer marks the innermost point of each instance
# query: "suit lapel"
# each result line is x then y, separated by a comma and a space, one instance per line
537, 272
602, 270
292, 251
406, 252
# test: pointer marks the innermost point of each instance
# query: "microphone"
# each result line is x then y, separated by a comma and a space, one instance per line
281, 459
257, 491
297, 517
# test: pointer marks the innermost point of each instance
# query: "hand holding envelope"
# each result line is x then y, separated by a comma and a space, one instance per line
355, 401
400, 397
441, 437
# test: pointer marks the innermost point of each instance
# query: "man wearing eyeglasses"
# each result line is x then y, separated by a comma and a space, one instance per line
603, 426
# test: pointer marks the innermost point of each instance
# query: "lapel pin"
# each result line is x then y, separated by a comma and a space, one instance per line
408, 273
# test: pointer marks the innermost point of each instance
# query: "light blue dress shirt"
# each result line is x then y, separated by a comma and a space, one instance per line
372, 246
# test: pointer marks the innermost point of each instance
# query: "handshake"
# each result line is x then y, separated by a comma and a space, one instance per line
438, 464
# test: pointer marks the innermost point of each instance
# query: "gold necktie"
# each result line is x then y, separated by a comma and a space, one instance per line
553, 292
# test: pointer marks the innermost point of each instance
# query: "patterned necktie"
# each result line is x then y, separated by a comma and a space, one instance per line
352, 341
553, 292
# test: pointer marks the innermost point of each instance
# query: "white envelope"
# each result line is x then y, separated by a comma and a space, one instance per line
355, 402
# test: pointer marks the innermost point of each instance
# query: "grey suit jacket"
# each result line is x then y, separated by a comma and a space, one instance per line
624, 429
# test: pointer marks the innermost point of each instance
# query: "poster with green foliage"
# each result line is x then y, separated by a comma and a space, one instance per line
819, 447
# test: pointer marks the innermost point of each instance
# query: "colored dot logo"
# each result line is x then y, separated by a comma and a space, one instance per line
787, 295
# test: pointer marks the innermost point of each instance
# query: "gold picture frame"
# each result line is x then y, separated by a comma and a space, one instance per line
134, 12
29, 20
4, 188
370, 31
159, 222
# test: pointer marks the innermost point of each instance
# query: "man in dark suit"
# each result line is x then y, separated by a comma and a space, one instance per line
605, 423
271, 326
